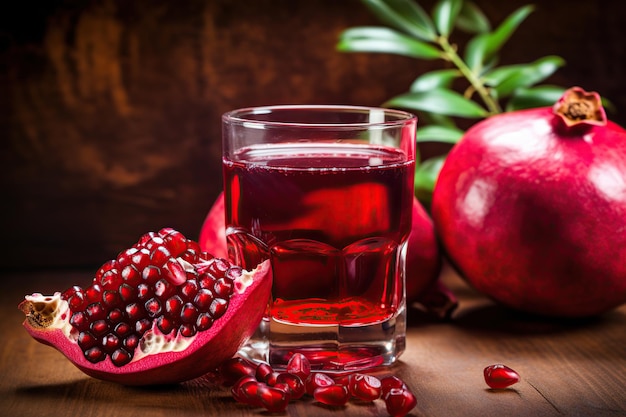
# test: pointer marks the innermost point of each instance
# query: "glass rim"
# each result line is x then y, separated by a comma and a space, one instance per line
242, 116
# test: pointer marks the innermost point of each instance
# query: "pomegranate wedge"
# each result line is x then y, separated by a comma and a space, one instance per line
162, 312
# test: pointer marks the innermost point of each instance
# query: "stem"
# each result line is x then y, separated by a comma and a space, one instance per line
450, 53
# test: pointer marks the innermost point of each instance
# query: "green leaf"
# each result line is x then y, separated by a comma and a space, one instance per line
484, 46
436, 119
435, 79
384, 40
439, 134
404, 15
445, 14
507, 79
426, 177
539, 96
439, 100
472, 20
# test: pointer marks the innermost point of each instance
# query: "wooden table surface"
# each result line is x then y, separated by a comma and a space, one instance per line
568, 368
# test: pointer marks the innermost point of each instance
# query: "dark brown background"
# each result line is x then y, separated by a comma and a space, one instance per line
110, 110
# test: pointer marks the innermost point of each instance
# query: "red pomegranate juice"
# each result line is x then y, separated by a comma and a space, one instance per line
333, 219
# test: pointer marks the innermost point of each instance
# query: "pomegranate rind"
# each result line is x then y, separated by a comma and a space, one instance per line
532, 218
204, 353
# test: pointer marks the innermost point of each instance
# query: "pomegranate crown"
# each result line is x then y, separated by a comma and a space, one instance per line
578, 107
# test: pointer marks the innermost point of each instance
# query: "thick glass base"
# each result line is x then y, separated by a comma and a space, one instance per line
329, 348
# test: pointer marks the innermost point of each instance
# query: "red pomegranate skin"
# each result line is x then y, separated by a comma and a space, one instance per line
423, 259
534, 218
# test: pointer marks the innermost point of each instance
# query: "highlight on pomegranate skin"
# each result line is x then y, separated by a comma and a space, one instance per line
162, 311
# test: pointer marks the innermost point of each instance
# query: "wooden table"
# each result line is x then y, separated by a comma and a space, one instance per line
568, 368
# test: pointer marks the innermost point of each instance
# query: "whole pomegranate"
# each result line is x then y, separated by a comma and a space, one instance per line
531, 208
423, 259
161, 312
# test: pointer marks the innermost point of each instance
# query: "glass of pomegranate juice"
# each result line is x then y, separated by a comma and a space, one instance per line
325, 193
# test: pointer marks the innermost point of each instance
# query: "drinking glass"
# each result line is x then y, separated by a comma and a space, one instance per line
325, 193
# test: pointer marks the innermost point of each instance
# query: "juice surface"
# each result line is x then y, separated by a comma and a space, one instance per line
332, 219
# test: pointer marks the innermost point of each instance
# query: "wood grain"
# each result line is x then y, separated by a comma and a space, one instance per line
568, 368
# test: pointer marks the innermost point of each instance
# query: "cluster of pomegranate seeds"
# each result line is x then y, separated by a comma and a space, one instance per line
262, 386
164, 279
500, 376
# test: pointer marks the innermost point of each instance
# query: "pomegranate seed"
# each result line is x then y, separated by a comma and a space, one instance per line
151, 274
233, 273
335, 395
189, 313
110, 279
142, 326
79, 320
187, 329
165, 324
204, 321
86, 340
144, 291
299, 365
499, 376
159, 256
189, 290
110, 342
94, 355
134, 311
77, 301
206, 281
175, 271
131, 342
365, 387
174, 241
120, 357
110, 265
273, 399
263, 371
141, 259
125, 257
93, 294
399, 402
99, 327
389, 382
296, 388
131, 275
163, 289
144, 239
223, 287
123, 330
236, 368
316, 380
95, 311
127, 292
153, 307
245, 391
174, 305
218, 308
115, 316
203, 299
111, 298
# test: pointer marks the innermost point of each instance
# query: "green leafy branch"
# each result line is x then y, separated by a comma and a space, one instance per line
470, 86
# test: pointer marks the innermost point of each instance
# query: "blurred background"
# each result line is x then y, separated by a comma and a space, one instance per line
110, 110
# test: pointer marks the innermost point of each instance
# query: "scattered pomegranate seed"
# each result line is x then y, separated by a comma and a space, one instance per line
335, 395
399, 401
499, 376
365, 387
261, 386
